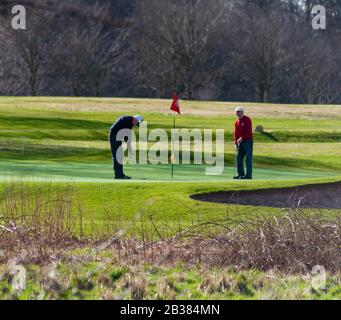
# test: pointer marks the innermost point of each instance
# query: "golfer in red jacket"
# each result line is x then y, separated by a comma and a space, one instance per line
243, 139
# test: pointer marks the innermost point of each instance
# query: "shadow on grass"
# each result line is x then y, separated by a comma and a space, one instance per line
48, 152
51, 123
270, 136
14, 150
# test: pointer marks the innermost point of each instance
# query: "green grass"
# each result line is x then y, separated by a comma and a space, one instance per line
98, 280
131, 208
65, 139
53, 118
169, 203
316, 156
102, 172
50, 144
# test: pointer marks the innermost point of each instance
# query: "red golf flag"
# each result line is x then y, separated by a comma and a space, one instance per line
175, 104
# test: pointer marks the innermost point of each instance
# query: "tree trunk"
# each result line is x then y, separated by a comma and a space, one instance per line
33, 83
189, 86
260, 93
97, 88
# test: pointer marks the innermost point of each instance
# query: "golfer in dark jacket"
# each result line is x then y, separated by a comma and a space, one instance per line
243, 139
127, 124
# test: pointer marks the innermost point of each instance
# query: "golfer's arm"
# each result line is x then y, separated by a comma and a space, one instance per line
128, 142
247, 129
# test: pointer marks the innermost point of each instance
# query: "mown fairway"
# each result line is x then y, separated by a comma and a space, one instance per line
63, 139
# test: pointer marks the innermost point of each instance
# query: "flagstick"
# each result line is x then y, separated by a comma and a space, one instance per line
173, 149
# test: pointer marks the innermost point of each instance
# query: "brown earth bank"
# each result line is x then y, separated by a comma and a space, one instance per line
320, 196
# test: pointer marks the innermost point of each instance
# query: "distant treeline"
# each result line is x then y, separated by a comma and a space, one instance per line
236, 50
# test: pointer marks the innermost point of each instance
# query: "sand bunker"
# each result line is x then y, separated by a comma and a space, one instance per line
321, 196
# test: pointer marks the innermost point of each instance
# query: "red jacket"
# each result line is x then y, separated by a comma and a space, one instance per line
243, 129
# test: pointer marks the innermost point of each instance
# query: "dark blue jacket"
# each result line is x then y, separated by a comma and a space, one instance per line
121, 123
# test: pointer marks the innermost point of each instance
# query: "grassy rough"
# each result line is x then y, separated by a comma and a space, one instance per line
97, 280
96, 207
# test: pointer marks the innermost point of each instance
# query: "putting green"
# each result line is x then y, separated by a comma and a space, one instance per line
86, 172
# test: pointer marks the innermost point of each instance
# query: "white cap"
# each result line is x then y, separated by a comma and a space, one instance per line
239, 109
139, 119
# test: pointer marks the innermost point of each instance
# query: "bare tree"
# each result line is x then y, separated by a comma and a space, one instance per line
259, 54
57, 48
87, 57
27, 51
76, 9
262, 50
173, 42
312, 74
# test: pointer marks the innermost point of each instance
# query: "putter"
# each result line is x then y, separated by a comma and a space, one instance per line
236, 162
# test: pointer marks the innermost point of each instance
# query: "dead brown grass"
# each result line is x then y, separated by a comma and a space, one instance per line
294, 242
42, 224
198, 108
37, 219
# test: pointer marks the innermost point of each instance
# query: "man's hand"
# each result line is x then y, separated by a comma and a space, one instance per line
240, 141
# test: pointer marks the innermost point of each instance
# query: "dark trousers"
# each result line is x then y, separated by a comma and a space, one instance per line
117, 157
245, 150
